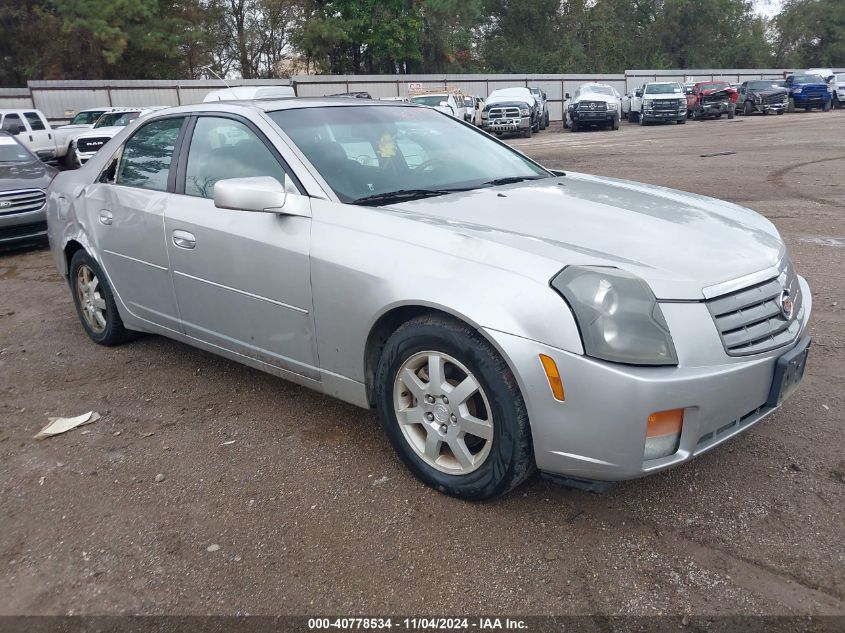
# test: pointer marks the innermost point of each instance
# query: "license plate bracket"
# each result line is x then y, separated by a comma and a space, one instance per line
789, 371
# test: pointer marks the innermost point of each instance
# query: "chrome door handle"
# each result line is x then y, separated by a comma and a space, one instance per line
183, 239
105, 217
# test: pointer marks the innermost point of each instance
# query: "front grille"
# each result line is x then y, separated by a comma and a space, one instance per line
21, 201
774, 99
504, 113
667, 105
91, 144
751, 320
592, 106
23, 231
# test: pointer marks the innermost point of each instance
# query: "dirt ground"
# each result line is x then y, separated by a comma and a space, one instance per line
276, 500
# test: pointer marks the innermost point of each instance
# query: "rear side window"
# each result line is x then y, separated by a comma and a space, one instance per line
147, 156
224, 148
34, 121
12, 121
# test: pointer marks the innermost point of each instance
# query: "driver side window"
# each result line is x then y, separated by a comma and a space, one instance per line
224, 148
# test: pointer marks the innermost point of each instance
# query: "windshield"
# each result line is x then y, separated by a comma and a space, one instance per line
761, 85
599, 90
662, 89
715, 85
468, 102
364, 151
13, 152
126, 119
108, 119
87, 118
809, 79
429, 100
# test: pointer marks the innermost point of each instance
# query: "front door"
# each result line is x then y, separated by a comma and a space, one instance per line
126, 212
241, 278
41, 134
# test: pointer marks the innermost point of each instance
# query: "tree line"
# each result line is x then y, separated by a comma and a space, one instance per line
192, 39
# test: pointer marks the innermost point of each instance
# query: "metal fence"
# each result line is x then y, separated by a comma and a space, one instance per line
60, 100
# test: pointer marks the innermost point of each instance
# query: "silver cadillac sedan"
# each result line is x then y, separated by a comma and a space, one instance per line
500, 316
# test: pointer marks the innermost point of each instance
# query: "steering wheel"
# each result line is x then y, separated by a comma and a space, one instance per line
430, 164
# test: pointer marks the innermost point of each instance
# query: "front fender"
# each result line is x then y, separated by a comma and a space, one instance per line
363, 266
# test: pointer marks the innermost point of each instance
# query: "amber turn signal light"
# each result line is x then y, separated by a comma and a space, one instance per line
665, 423
553, 375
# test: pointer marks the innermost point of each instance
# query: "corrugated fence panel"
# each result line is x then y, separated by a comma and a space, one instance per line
144, 96
377, 89
319, 90
193, 95
15, 98
62, 103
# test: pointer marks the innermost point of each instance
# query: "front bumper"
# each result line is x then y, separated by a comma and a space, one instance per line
23, 227
82, 157
588, 117
599, 432
811, 101
506, 125
663, 115
765, 108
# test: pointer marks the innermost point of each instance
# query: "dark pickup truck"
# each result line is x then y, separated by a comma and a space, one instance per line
762, 96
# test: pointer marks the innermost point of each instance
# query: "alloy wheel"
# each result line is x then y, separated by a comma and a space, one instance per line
92, 304
443, 412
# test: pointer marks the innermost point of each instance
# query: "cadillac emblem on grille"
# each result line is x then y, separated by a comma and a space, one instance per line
787, 306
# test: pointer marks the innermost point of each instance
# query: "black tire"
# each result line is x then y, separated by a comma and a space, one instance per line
574, 126
807, 109
682, 121
790, 107
69, 159
748, 109
528, 132
780, 112
731, 114
632, 117
511, 459
640, 119
826, 106
546, 118
114, 332
615, 123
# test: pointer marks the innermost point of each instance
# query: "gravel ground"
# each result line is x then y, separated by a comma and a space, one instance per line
272, 499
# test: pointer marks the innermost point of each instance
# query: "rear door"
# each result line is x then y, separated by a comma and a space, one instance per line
41, 134
242, 279
126, 210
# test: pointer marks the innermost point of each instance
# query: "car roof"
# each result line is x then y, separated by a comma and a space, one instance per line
273, 104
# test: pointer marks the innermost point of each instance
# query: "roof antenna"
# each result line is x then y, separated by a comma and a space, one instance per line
226, 83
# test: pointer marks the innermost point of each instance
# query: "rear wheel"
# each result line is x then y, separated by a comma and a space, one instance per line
452, 409
95, 303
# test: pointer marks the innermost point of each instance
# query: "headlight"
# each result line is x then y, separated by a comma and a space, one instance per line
524, 111
571, 107
648, 102
796, 90
618, 315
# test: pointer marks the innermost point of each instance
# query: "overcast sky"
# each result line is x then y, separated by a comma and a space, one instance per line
767, 8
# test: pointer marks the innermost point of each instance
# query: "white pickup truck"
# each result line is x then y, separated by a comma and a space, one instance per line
48, 143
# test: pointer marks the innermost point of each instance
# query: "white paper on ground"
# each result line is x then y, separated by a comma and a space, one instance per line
62, 425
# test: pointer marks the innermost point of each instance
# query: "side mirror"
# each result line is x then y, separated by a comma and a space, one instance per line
444, 104
638, 93
15, 129
261, 194
566, 96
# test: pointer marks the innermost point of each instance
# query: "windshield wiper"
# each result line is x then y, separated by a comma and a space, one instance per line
402, 195
508, 180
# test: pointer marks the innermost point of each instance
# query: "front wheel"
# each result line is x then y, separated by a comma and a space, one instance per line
731, 114
574, 126
826, 106
452, 409
749, 108
528, 132
615, 124
94, 302
790, 107
682, 121
640, 118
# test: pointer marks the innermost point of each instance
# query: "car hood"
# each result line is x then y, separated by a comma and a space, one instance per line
511, 98
32, 175
768, 92
99, 132
595, 97
679, 243
77, 126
